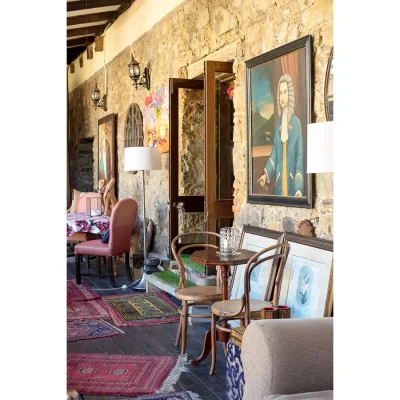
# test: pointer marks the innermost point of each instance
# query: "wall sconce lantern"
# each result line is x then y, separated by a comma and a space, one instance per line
98, 101
134, 74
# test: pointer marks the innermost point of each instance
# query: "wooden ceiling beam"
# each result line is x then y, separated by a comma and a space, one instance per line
85, 5
85, 41
88, 31
99, 17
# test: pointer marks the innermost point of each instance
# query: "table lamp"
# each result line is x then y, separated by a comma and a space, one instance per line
142, 159
320, 145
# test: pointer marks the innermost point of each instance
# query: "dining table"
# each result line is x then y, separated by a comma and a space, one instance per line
84, 222
213, 257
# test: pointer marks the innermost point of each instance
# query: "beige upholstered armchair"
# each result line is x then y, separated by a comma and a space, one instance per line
288, 359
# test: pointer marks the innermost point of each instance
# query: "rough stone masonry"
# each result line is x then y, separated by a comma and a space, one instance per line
222, 30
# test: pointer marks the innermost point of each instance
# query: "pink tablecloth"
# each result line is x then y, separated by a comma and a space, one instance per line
82, 222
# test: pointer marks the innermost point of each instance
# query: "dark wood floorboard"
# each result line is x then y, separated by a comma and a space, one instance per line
152, 340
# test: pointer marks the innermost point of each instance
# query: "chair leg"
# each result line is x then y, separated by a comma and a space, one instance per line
98, 265
184, 325
110, 271
87, 262
78, 268
179, 333
128, 270
224, 345
213, 342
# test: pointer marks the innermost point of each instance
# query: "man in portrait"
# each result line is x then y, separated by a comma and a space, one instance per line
284, 168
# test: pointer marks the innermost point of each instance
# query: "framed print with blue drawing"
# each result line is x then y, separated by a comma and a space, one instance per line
307, 285
263, 276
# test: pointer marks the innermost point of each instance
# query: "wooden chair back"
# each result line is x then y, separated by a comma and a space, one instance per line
177, 253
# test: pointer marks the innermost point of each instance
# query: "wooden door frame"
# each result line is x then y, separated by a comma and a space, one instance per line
191, 202
214, 208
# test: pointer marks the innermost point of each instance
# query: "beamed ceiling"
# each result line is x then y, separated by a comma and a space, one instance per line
87, 19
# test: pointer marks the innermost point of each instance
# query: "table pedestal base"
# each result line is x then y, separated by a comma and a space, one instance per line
221, 336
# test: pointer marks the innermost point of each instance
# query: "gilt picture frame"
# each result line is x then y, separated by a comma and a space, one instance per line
278, 110
307, 281
106, 151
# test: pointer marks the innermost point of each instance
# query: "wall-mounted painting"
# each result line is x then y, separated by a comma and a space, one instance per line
157, 120
278, 95
307, 282
106, 167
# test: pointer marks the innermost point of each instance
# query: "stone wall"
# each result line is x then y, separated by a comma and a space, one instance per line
234, 30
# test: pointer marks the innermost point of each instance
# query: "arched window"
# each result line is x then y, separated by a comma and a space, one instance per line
134, 126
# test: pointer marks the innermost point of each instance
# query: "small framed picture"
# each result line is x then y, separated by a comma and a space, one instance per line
307, 282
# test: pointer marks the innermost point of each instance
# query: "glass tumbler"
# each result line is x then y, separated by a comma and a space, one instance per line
229, 242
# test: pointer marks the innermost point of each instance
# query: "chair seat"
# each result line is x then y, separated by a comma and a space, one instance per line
199, 293
93, 247
227, 308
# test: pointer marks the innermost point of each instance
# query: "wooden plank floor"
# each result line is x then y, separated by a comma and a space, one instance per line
153, 340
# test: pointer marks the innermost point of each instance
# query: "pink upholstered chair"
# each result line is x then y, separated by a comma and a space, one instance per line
122, 221
81, 205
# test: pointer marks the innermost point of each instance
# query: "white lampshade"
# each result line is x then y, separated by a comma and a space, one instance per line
142, 158
320, 147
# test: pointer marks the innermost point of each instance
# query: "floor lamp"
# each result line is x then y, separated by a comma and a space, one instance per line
320, 157
142, 159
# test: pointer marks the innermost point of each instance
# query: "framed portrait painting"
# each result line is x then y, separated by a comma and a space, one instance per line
307, 282
106, 167
278, 106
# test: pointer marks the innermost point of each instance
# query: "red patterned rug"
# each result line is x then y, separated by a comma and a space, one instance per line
79, 292
87, 310
141, 309
83, 330
122, 375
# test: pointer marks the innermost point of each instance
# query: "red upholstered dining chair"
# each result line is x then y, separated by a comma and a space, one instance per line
122, 221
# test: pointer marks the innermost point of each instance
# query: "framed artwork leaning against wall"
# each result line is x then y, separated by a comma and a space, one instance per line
106, 156
307, 282
278, 109
263, 276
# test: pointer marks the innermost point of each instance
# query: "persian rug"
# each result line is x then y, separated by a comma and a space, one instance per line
82, 330
87, 311
170, 396
142, 309
79, 292
121, 374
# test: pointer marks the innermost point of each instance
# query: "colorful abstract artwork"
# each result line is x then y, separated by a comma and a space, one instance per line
157, 120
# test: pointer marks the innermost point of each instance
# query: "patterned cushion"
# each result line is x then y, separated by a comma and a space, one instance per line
234, 373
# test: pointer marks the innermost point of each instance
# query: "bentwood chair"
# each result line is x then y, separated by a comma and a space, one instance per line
245, 308
122, 221
192, 296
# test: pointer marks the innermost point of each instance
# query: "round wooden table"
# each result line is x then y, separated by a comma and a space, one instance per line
212, 258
